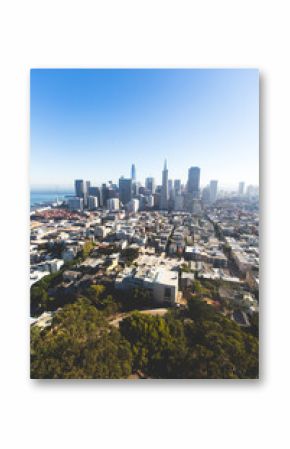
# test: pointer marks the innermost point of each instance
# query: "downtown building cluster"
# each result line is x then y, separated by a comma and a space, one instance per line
178, 234
131, 195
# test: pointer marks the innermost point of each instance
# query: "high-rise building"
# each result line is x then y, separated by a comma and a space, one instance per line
213, 191
125, 190
177, 187
82, 189
150, 184
164, 191
193, 183
79, 188
96, 191
133, 172
206, 195
76, 203
87, 186
241, 188
92, 202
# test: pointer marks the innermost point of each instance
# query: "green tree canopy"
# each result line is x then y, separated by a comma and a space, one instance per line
79, 345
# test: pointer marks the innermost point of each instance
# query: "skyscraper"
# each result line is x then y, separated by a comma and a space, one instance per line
125, 190
164, 191
177, 187
213, 191
241, 188
133, 172
96, 191
150, 184
193, 181
79, 188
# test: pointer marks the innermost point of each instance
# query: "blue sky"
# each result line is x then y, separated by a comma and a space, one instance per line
94, 123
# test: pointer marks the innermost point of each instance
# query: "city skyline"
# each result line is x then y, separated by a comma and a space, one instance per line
183, 181
94, 124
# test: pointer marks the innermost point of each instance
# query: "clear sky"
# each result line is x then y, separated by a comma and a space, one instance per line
94, 123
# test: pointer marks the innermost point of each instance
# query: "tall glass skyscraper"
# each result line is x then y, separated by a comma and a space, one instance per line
125, 190
133, 172
193, 183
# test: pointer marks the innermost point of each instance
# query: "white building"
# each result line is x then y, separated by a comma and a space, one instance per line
150, 201
113, 204
161, 281
101, 231
54, 265
92, 202
133, 205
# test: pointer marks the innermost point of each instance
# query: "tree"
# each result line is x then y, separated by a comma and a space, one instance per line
79, 345
129, 255
155, 343
87, 248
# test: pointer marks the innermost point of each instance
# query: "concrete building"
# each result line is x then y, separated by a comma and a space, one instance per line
113, 204
162, 282
133, 205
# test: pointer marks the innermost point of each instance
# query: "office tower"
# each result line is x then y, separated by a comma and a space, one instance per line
104, 194
157, 200
87, 187
93, 191
92, 202
150, 184
136, 186
113, 204
206, 195
125, 190
213, 191
164, 190
241, 188
79, 188
76, 203
193, 182
177, 187
170, 186
96, 191
133, 172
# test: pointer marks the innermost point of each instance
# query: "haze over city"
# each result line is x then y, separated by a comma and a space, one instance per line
93, 124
